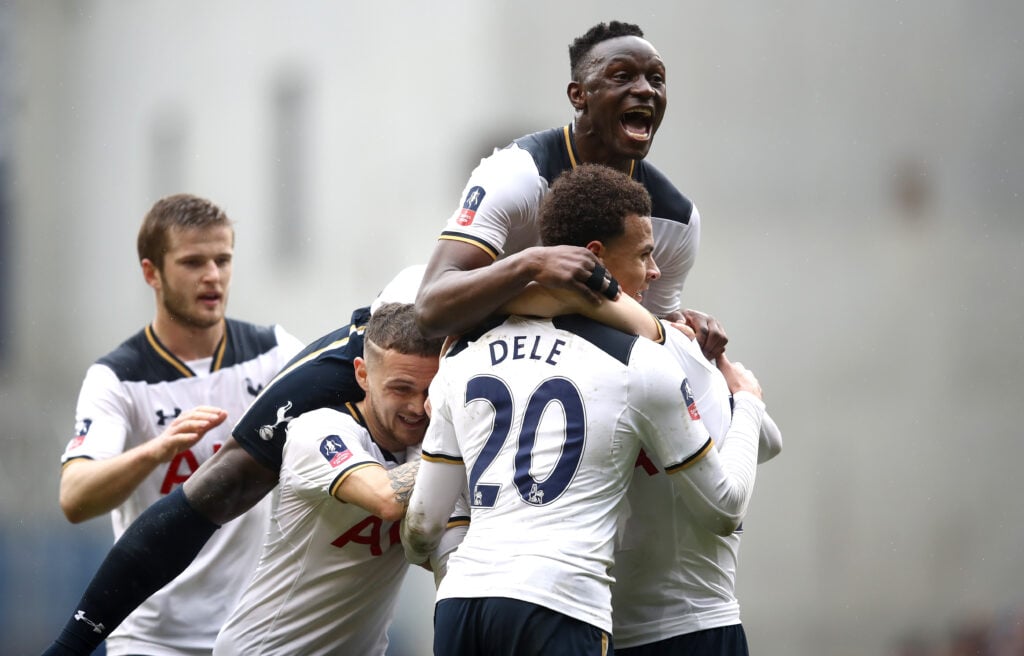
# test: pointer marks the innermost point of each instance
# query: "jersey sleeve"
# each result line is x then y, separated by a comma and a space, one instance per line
662, 406
709, 389
715, 486
503, 190
439, 443
320, 376
323, 448
101, 417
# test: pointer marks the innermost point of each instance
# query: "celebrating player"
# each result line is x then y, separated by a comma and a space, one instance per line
331, 567
545, 418
145, 420
489, 250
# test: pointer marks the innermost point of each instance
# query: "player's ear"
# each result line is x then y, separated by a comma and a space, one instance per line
596, 247
359, 364
150, 273
577, 96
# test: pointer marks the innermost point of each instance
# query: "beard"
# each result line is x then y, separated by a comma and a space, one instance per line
182, 309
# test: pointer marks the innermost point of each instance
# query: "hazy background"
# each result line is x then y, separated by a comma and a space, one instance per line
858, 167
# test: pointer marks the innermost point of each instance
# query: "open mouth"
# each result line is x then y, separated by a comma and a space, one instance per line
638, 122
210, 297
413, 422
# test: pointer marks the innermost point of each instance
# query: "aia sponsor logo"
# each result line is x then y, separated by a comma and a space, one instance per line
334, 451
474, 197
691, 407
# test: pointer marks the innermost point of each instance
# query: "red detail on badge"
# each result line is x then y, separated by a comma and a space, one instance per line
76, 442
465, 217
340, 457
694, 415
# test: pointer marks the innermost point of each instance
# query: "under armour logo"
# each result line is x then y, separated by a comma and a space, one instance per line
253, 388
96, 627
267, 431
164, 416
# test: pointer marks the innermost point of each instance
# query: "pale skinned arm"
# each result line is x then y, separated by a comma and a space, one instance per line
89, 488
624, 313
463, 285
383, 492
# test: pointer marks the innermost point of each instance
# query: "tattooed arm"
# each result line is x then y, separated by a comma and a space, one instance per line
383, 492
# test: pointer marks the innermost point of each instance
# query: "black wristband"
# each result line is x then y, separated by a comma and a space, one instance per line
596, 281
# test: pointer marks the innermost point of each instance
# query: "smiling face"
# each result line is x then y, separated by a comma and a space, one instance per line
192, 283
628, 257
620, 99
396, 386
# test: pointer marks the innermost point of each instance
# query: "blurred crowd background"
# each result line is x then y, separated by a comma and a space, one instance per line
858, 167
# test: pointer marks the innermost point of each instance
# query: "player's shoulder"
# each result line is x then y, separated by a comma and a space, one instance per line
612, 342
548, 150
667, 201
343, 343
141, 358
247, 341
323, 420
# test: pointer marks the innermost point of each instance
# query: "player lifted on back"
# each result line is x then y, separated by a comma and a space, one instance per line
490, 247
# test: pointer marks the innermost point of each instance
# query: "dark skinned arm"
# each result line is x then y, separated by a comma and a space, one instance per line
709, 333
228, 484
462, 286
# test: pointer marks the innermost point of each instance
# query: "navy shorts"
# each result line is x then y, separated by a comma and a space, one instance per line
498, 626
720, 641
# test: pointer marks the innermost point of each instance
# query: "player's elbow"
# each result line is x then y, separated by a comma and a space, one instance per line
419, 536
74, 510
429, 317
73, 503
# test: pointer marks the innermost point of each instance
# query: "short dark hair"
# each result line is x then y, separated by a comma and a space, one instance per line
590, 202
182, 211
582, 45
392, 327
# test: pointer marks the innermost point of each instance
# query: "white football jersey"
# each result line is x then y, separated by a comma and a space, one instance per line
501, 203
328, 579
548, 417
127, 398
673, 577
